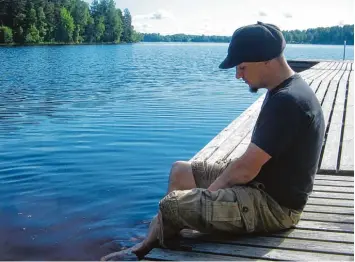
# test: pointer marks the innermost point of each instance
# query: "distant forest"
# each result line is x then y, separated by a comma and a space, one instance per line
64, 21
323, 35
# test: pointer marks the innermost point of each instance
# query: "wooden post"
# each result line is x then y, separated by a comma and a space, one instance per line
344, 49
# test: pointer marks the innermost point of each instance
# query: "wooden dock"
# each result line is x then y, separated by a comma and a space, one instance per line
326, 229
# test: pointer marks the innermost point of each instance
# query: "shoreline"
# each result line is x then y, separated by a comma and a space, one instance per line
171, 42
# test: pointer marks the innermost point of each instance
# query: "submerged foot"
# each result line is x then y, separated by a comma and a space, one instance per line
123, 255
137, 252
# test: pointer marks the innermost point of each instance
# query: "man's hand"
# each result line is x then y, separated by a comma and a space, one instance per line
242, 170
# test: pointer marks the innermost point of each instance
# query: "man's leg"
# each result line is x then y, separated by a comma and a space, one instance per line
181, 178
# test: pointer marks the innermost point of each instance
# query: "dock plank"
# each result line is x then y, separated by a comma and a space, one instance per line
261, 252
315, 235
321, 182
349, 66
332, 195
242, 147
316, 81
339, 67
333, 140
324, 86
320, 65
176, 255
334, 66
318, 74
320, 176
226, 148
331, 202
322, 217
326, 226
347, 147
329, 209
289, 244
293, 233
333, 189
343, 66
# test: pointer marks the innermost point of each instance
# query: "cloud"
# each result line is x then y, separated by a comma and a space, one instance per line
143, 27
287, 15
262, 13
157, 15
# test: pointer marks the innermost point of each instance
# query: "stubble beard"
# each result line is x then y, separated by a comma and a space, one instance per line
253, 89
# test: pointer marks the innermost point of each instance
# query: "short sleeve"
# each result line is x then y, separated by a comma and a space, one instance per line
278, 125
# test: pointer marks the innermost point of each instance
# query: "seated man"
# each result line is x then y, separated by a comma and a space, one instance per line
266, 189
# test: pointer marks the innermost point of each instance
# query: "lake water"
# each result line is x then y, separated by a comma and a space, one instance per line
88, 135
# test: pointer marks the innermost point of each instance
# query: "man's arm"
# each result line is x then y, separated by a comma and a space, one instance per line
242, 170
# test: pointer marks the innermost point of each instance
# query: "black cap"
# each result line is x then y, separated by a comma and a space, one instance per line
254, 43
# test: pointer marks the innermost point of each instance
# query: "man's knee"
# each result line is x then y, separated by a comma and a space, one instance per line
181, 175
180, 167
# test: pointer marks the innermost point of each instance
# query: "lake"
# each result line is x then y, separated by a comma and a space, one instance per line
88, 135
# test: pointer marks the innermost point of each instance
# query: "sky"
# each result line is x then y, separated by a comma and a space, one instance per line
222, 17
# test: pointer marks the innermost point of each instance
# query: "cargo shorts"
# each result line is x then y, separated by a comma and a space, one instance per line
238, 210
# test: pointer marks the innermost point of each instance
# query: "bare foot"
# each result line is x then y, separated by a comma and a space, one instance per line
120, 256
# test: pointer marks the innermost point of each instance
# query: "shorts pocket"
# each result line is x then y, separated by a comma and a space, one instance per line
218, 211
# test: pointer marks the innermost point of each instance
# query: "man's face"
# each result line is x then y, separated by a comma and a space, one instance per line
253, 74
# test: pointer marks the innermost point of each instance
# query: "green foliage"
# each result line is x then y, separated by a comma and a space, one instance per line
323, 35
81, 14
99, 29
137, 37
69, 21
127, 27
32, 35
66, 26
41, 23
329, 35
6, 36
184, 38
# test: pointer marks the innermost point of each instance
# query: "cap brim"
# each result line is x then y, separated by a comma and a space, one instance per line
226, 64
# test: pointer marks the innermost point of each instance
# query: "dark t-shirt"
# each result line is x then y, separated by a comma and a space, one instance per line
290, 128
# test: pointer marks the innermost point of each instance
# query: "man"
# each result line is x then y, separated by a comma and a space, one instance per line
267, 188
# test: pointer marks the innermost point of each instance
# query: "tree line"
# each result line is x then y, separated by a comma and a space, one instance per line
65, 21
322, 35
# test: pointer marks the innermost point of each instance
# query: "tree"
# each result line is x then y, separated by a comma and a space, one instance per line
14, 17
113, 22
49, 12
41, 24
127, 27
136, 37
65, 27
32, 35
5, 35
31, 16
99, 29
80, 14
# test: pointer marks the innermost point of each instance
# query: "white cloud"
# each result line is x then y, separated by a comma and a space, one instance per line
288, 15
262, 13
157, 15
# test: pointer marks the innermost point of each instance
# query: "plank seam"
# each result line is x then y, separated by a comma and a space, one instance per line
278, 247
343, 124
330, 119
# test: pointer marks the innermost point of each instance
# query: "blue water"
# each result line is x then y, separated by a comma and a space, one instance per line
88, 135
